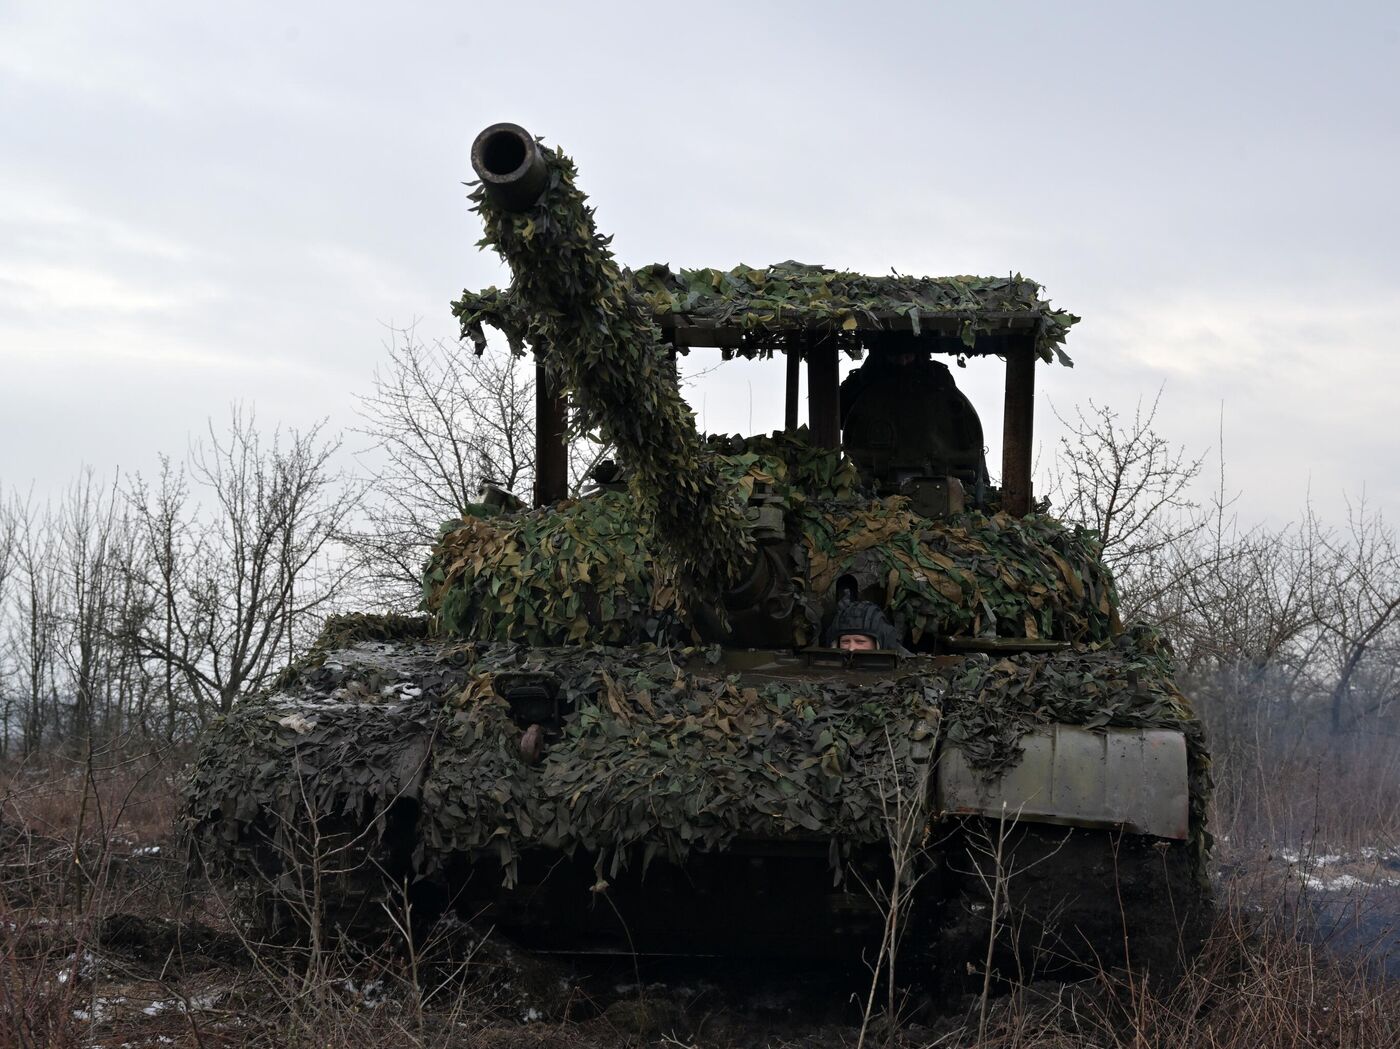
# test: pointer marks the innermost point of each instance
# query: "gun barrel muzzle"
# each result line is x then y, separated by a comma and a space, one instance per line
510, 165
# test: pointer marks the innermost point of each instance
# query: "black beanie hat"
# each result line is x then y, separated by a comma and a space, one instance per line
863, 617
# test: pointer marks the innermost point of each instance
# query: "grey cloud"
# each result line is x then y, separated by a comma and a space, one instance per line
208, 206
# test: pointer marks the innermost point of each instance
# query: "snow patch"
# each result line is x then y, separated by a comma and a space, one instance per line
298, 724
370, 994
195, 1003
83, 968
1347, 882
97, 1010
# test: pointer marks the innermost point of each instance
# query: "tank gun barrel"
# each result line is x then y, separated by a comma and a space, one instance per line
511, 166
602, 345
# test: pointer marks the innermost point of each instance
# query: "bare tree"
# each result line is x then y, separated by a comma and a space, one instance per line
441, 420
8, 517
89, 572
165, 566
1126, 482
1288, 638
68, 676
237, 586
1359, 610
8, 530
35, 619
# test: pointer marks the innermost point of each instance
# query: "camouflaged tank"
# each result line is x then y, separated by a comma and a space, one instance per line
623, 724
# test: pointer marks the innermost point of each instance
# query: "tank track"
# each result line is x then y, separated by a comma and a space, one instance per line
353, 882
1061, 902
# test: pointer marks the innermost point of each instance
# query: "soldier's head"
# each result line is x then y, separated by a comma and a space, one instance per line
861, 626
900, 348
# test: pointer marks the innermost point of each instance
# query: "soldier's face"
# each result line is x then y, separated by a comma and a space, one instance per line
856, 643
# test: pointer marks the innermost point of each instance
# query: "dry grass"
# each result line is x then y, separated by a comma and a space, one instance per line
1276, 786
76, 841
1254, 985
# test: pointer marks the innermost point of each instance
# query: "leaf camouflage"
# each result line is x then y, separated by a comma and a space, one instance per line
594, 327
1128, 683
665, 751
594, 334
766, 302
664, 754
586, 570
774, 307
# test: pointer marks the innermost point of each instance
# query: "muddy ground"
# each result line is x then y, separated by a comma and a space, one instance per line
144, 957
105, 941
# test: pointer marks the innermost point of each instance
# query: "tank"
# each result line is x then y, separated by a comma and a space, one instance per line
748, 690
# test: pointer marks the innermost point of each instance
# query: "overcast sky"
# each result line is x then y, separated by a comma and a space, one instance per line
206, 203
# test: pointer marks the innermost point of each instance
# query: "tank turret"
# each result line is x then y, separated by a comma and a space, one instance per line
759, 546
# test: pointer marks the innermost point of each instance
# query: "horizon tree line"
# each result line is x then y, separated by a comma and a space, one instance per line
145, 605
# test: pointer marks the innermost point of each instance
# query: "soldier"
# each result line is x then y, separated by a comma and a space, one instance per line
861, 626
896, 361
902, 415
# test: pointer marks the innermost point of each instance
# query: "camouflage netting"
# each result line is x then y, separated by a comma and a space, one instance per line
970, 575
1126, 683
584, 570
792, 295
662, 758
601, 343
664, 753
770, 305
595, 327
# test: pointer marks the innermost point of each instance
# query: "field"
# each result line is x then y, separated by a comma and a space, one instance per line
106, 942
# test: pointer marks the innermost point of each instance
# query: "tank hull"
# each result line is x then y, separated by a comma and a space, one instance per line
677, 802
